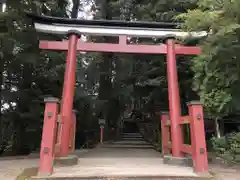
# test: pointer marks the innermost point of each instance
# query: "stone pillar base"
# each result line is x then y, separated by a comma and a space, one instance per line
177, 161
70, 160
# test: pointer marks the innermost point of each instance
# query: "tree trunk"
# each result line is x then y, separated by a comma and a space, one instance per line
217, 128
105, 84
76, 4
1, 84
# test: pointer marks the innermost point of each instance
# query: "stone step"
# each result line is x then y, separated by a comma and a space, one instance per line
140, 137
132, 139
131, 133
131, 142
137, 137
128, 146
134, 135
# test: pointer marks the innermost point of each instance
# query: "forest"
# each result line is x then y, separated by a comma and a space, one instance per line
108, 83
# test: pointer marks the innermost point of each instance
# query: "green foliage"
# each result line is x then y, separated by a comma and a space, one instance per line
216, 69
27, 75
228, 147
219, 145
161, 10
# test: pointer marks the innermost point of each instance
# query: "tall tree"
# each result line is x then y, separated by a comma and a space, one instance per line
28, 75
216, 70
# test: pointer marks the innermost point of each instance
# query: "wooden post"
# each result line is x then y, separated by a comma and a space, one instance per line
199, 150
48, 136
101, 134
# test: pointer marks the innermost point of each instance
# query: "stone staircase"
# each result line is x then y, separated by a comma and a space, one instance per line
132, 136
130, 140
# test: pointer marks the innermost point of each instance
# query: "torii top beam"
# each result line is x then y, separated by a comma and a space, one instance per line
63, 26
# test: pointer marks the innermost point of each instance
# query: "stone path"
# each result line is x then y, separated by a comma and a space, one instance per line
131, 156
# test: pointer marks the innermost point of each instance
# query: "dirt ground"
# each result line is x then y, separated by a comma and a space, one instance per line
225, 173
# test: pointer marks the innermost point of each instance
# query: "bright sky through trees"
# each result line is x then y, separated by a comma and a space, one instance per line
86, 13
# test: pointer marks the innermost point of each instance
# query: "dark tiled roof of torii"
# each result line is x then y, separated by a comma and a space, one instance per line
109, 23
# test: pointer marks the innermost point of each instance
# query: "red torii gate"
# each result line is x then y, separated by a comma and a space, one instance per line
74, 28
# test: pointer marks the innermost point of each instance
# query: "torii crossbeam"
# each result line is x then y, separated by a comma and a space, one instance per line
74, 28
121, 47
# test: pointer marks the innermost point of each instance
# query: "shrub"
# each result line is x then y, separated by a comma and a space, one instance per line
219, 145
227, 147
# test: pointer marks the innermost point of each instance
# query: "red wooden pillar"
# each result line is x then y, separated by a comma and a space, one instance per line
68, 94
165, 132
199, 150
48, 136
174, 99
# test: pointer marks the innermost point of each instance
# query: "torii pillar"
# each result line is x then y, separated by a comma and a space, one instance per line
174, 98
68, 94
